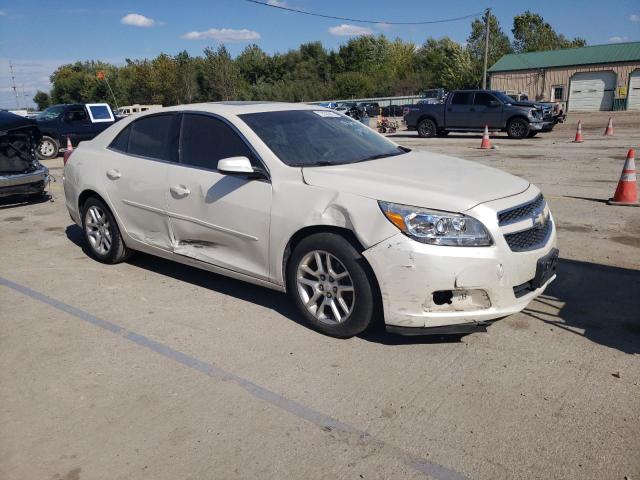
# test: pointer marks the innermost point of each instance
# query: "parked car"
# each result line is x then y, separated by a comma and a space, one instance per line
471, 110
372, 108
20, 171
127, 110
77, 122
392, 111
298, 198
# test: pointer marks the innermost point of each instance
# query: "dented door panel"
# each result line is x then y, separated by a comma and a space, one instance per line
223, 219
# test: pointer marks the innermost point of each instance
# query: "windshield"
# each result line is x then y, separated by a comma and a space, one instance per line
503, 97
318, 137
50, 113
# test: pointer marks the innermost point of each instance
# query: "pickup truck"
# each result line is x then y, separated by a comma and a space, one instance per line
471, 110
76, 121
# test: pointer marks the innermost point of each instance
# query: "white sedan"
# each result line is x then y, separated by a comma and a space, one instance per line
302, 199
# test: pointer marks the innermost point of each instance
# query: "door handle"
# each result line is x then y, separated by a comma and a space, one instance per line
113, 174
180, 190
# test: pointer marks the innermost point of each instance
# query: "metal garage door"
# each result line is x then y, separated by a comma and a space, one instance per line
633, 103
591, 91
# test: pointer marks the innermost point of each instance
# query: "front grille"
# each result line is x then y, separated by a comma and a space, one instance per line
530, 239
522, 212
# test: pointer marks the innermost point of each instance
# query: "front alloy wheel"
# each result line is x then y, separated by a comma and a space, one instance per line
518, 128
325, 287
332, 285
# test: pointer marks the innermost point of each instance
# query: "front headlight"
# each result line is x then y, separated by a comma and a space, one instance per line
436, 228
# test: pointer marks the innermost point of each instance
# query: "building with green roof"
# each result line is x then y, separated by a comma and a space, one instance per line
599, 77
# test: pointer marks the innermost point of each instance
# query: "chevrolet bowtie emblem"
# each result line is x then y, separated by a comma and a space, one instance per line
539, 220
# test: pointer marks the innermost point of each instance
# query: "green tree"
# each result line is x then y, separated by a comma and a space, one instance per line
42, 100
499, 45
221, 76
444, 63
531, 34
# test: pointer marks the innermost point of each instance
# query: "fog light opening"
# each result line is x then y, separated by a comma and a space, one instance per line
442, 296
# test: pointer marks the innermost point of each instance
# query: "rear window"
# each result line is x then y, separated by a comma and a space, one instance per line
151, 137
121, 142
100, 112
462, 98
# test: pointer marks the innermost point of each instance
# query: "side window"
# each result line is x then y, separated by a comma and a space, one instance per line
204, 140
121, 142
153, 137
462, 98
76, 115
483, 98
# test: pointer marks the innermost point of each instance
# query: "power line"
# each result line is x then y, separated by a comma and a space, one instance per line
357, 20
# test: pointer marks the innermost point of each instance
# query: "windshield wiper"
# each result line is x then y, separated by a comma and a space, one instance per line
381, 155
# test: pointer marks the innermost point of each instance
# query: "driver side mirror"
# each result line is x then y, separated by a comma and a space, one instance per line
240, 166
494, 103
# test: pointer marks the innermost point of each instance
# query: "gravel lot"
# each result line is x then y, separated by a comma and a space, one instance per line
153, 370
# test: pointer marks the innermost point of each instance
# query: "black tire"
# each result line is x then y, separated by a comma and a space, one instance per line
427, 128
518, 128
48, 148
363, 297
532, 134
118, 251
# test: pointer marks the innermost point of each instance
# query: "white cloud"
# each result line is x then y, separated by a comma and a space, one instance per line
634, 17
223, 35
2, 13
346, 30
384, 26
277, 3
618, 39
137, 20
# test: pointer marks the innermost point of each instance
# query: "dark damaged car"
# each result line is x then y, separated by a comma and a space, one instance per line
20, 171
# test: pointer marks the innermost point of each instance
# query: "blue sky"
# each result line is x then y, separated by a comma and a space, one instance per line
39, 35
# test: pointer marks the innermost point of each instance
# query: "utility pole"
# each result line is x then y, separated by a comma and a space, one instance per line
487, 16
13, 85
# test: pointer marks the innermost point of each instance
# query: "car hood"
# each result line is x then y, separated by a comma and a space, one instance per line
529, 104
421, 179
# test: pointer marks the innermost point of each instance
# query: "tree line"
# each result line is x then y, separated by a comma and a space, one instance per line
366, 66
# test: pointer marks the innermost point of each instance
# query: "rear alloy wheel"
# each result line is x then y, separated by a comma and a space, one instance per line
48, 148
427, 128
518, 128
329, 284
102, 233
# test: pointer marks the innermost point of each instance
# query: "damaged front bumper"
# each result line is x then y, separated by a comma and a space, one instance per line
432, 289
27, 183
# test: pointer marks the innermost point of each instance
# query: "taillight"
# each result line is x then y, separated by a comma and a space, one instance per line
405, 110
65, 157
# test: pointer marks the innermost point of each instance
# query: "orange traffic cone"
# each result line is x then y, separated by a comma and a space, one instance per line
608, 132
579, 138
67, 152
627, 191
486, 143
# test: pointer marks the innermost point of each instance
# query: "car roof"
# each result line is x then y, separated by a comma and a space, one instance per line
239, 107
